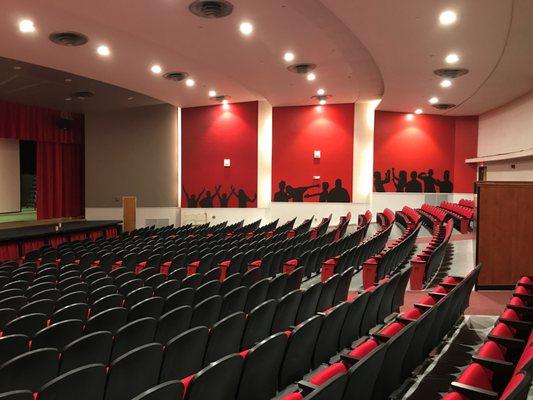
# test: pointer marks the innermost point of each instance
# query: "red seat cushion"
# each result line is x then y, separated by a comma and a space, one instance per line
516, 301
521, 290
491, 350
454, 396
475, 375
525, 279
326, 374
526, 357
186, 381
441, 289
513, 383
293, 396
413, 313
502, 330
392, 329
451, 280
364, 348
510, 314
428, 300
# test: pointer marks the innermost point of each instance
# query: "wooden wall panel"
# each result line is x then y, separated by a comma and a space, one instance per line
504, 231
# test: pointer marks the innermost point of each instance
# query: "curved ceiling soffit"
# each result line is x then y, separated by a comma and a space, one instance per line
496, 64
366, 76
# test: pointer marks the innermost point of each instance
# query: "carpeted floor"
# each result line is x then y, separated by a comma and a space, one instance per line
481, 303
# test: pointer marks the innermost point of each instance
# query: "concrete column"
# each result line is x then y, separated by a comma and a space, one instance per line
264, 155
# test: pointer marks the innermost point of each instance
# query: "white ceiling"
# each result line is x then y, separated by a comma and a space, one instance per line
364, 49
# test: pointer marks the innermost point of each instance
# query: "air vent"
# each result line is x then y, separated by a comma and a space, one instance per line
301, 68
451, 72
82, 94
444, 106
68, 38
221, 98
176, 76
211, 8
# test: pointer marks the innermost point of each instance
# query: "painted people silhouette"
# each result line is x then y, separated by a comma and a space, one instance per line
413, 185
379, 183
281, 195
429, 182
445, 186
243, 197
296, 194
223, 198
207, 201
400, 181
192, 200
323, 195
338, 194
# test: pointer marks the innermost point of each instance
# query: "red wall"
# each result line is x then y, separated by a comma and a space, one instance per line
211, 134
426, 142
298, 131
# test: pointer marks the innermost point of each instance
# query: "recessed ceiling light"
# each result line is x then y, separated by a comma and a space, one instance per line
311, 76
452, 58
321, 92
246, 28
418, 111
446, 83
68, 99
26, 26
447, 17
225, 106
190, 82
288, 56
409, 117
225, 102
68, 80
103, 50
156, 69
433, 100
322, 102
17, 67
212, 93
130, 98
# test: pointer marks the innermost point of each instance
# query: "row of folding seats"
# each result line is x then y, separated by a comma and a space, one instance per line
502, 366
427, 263
467, 203
392, 257
431, 216
407, 217
461, 215
355, 256
374, 367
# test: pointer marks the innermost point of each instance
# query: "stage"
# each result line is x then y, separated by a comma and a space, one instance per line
17, 238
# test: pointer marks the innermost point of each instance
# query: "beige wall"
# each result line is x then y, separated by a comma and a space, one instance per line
9, 175
132, 152
507, 129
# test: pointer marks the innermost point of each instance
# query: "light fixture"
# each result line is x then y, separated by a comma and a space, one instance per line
409, 117
68, 98
322, 102
288, 56
246, 28
190, 82
433, 100
447, 17
130, 98
446, 83
17, 67
26, 26
321, 92
156, 69
212, 93
418, 111
225, 106
311, 76
452, 58
103, 50
225, 102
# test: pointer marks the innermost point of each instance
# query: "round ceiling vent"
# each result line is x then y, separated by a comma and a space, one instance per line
451, 72
301, 68
68, 38
82, 94
211, 8
444, 106
176, 76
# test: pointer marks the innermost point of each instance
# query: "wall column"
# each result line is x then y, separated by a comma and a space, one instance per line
363, 151
264, 155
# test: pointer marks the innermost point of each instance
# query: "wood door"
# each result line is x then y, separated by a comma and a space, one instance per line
129, 212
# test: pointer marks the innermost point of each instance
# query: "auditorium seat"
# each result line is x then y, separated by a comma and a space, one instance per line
84, 383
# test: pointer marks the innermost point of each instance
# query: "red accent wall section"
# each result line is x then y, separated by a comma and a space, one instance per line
296, 133
209, 135
407, 147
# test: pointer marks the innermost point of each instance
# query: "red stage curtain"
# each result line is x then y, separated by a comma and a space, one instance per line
9, 251
60, 152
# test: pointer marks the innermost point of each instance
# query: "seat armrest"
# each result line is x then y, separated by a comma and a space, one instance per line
473, 392
306, 387
498, 366
518, 325
381, 338
349, 360
507, 341
390, 317
424, 307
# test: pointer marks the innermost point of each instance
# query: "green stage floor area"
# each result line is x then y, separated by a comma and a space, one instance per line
27, 214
